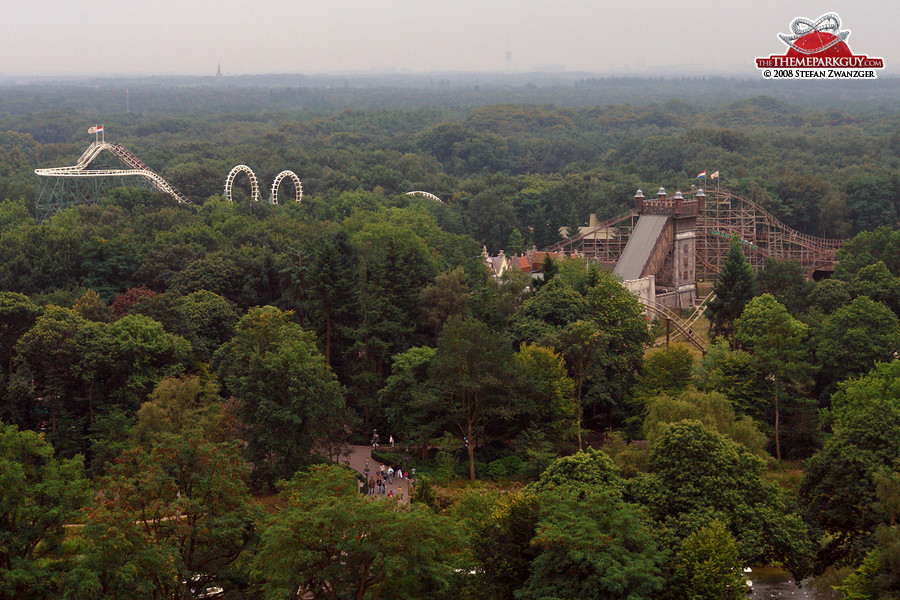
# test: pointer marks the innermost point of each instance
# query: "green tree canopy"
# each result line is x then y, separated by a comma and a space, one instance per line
40, 494
853, 338
839, 486
585, 348
619, 316
697, 475
707, 566
169, 518
178, 405
501, 543
210, 321
17, 315
333, 543
552, 307
779, 343
712, 409
666, 370
593, 546
586, 471
412, 403
289, 398
472, 368
547, 394
787, 282
867, 248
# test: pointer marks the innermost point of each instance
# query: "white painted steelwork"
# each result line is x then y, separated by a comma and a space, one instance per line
426, 194
254, 184
298, 187
138, 168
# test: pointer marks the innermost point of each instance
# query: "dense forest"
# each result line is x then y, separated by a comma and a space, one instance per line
181, 382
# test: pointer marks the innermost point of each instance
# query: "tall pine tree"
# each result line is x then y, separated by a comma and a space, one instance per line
735, 287
330, 297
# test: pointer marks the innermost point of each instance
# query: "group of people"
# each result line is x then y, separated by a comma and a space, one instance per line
383, 477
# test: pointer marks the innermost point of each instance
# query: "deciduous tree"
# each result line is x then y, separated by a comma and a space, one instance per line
472, 370
707, 566
698, 475
853, 338
167, 520
38, 496
839, 486
333, 543
779, 343
595, 546
289, 397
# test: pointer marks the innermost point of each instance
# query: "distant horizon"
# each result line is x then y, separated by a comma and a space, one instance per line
645, 37
650, 73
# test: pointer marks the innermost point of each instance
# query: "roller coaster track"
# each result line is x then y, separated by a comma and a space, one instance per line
254, 184
721, 216
428, 195
684, 327
138, 168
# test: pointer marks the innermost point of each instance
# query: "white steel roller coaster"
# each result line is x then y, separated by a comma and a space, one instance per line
81, 169
298, 187
425, 194
254, 184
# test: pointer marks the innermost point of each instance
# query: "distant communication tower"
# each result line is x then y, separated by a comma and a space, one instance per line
508, 57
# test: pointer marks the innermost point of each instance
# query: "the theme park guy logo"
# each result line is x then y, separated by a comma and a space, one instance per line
818, 50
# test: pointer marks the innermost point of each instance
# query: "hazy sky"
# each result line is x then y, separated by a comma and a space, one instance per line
299, 36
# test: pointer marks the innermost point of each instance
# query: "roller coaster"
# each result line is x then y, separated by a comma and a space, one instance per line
254, 184
428, 195
721, 216
62, 187
82, 183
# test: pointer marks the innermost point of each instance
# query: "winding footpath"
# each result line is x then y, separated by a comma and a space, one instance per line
359, 456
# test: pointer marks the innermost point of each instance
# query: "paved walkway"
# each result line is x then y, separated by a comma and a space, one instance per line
361, 457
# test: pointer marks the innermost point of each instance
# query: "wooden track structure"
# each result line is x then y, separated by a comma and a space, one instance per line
721, 216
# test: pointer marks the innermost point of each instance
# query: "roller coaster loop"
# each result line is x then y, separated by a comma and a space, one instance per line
254, 184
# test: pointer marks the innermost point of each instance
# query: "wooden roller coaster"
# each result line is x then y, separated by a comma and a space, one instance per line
721, 216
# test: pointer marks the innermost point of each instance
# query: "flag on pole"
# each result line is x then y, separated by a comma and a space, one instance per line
96, 129
714, 175
701, 174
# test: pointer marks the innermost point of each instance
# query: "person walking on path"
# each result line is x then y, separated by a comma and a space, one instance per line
390, 473
392, 441
358, 457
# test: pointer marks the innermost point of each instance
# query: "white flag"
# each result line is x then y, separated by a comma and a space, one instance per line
714, 175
